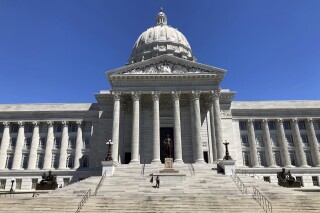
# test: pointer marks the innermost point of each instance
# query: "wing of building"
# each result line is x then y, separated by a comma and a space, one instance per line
162, 92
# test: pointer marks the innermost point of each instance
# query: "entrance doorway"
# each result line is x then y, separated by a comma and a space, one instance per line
164, 131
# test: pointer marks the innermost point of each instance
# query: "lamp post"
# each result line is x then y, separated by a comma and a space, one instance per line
227, 156
12, 181
109, 157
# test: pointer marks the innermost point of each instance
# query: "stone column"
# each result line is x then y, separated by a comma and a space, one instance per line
4, 144
64, 146
34, 146
252, 144
313, 143
284, 152
79, 145
213, 130
156, 127
19, 146
177, 127
135, 127
217, 123
197, 130
298, 144
49, 145
116, 125
267, 142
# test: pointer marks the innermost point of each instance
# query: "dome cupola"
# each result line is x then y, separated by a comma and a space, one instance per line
160, 40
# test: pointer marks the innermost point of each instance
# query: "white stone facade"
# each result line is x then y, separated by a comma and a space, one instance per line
165, 94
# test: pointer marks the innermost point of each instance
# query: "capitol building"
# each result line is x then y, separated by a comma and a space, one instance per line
162, 91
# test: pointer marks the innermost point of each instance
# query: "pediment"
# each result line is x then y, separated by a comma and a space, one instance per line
166, 65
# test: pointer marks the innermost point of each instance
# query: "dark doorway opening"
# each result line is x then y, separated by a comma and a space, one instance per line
164, 131
127, 157
205, 156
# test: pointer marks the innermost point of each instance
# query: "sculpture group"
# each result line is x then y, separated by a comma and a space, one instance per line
286, 179
48, 182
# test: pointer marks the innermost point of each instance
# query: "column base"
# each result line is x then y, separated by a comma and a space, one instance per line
178, 161
156, 162
288, 166
273, 166
200, 161
304, 166
134, 162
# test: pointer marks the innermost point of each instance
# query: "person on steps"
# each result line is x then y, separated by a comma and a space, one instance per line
157, 182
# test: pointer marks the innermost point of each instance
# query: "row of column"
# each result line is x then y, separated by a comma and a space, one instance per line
18, 152
196, 117
284, 152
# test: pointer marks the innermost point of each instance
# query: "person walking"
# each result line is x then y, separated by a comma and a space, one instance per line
157, 182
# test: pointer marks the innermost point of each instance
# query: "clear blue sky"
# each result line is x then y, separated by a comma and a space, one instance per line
58, 51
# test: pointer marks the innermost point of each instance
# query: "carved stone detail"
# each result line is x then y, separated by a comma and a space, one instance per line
116, 95
215, 94
6, 124
50, 123
250, 121
135, 95
294, 120
225, 113
155, 95
35, 123
265, 121
175, 95
195, 94
79, 123
64, 123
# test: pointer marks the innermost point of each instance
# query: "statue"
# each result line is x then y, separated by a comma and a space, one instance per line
167, 147
286, 179
48, 182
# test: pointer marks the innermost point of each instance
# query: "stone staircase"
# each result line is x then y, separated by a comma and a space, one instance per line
207, 191
60, 200
284, 199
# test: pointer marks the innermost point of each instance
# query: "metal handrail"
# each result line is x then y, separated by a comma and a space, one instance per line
99, 184
191, 168
262, 200
83, 200
239, 183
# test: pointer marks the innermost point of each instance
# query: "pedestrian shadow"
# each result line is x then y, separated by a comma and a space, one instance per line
154, 187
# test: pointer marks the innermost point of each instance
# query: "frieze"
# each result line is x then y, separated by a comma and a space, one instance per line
165, 68
225, 113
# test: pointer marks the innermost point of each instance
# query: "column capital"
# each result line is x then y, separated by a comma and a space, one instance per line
155, 95
175, 95
64, 123
195, 94
35, 123
279, 121
135, 95
6, 124
215, 94
21, 123
50, 123
79, 123
294, 120
265, 121
116, 95
250, 121
310, 120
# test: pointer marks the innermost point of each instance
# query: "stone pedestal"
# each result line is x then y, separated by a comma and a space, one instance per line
108, 167
227, 166
169, 174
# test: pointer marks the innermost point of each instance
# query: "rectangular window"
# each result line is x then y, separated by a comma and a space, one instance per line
14, 128
27, 143
24, 161
262, 158
243, 125
301, 125
72, 143
257, 125
315, 180
58, 127
43, 128
274, 139
266, 179
300, 179
42, 142
305, 140
87, 126
259, 140
318, 138
12, 143
272, 125
277, 158
18, 184
1, 128
289, 139
86, 142
57, 143
9, 161
72, 127
316, 125
293, 158
244, 140
34, 183
28, 128
40, 158
3, 183
309, 158
246, 158
286, 125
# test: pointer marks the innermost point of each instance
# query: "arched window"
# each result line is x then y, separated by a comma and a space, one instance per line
85, 162
70, 162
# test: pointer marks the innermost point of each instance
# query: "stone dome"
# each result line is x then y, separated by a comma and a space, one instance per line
159, 40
